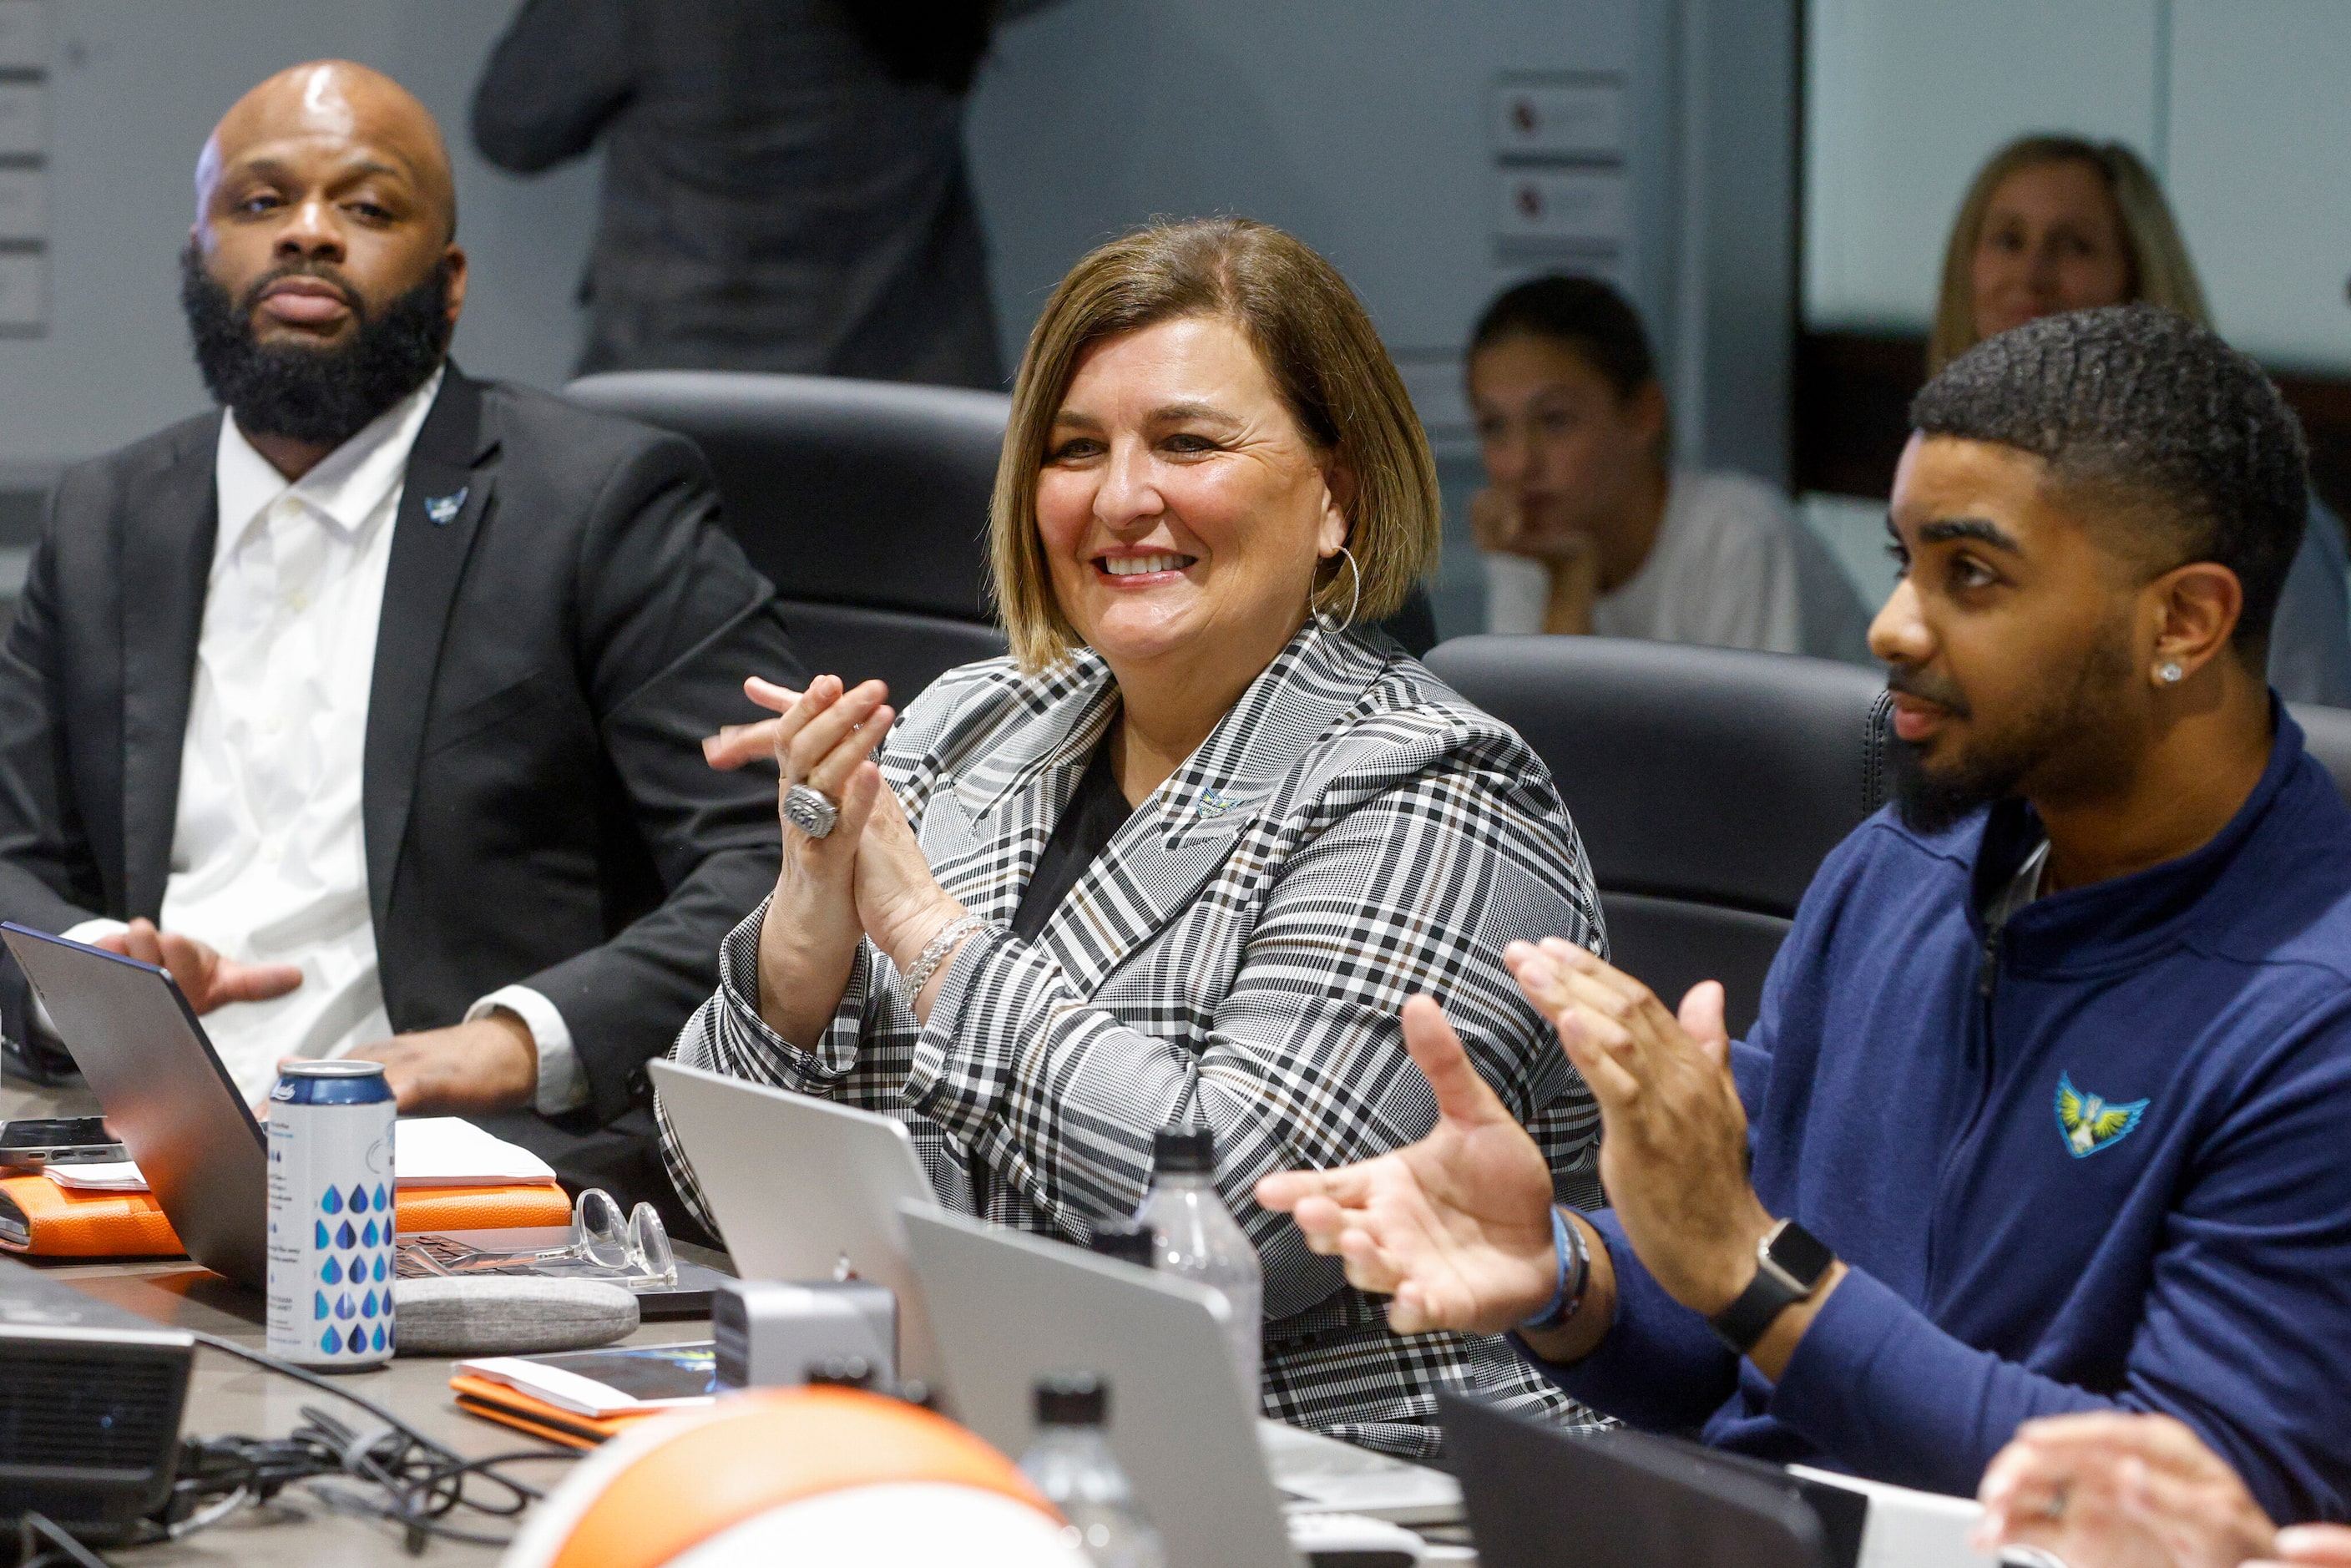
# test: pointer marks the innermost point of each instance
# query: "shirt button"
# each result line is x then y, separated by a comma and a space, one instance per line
273, 850
276, 722
297, 602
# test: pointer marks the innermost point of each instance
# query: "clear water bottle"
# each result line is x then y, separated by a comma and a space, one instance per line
1128, 1240
1072, 1463
1196, 1236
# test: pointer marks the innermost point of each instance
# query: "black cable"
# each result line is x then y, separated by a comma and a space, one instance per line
422, 1482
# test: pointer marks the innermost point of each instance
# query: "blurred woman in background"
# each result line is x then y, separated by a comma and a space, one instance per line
2058, 222
1587, 526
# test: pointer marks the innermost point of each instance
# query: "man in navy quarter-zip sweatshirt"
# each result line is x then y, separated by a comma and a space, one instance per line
2049, 1102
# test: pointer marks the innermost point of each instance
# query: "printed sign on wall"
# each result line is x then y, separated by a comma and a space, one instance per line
24, 167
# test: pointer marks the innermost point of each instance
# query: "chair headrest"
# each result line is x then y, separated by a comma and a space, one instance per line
1710, 774
841, 491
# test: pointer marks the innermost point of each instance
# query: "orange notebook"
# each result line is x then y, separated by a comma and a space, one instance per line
42, 1220
510, 1406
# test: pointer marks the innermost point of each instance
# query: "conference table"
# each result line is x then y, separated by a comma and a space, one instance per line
233, 1398
229, 1396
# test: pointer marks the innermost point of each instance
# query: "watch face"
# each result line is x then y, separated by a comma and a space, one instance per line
1801, 1254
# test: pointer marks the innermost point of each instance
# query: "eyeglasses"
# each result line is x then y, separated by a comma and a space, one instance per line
633, 1251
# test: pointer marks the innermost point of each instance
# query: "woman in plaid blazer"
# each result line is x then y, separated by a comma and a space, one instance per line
1211, 471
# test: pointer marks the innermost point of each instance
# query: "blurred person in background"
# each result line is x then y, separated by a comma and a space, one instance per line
785, 186
1586, 524
2058, 222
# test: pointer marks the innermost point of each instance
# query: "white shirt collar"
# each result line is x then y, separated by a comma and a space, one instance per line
343, 491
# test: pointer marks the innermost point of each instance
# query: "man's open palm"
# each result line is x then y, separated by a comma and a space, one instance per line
1457, 1227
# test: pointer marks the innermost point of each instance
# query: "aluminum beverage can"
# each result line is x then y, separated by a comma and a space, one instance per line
330, 1215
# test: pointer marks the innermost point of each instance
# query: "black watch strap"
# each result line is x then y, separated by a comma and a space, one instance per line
1790, 1264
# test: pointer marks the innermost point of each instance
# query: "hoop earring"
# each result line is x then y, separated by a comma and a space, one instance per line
1354, 599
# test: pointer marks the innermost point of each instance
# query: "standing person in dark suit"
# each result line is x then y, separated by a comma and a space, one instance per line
370, 709
784, 179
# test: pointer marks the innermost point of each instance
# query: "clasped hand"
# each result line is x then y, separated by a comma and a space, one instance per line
868, 876
1457, 1228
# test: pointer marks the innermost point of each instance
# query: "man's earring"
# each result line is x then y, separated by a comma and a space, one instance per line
2169, 671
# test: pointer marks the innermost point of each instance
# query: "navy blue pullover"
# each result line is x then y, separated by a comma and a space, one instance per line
1904, 1086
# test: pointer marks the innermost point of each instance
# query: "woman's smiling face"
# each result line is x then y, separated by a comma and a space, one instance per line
1182, 510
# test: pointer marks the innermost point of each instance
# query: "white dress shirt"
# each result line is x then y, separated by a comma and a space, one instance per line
269, 847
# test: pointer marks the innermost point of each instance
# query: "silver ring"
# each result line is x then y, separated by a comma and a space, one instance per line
810, 810
2054, 1508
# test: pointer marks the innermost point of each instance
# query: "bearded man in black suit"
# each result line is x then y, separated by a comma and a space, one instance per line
372, 707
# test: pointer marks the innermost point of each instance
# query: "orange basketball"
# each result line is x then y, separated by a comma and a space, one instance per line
797, 1475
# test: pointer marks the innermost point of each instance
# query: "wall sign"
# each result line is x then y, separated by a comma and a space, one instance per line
24, 167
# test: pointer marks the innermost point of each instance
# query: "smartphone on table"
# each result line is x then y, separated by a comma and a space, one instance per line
31, 1143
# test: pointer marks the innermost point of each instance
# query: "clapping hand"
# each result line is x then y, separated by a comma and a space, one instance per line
1673, 1142
1455, 1227
867, 875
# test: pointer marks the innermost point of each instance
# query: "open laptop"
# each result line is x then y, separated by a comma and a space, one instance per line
1539, 1497
165, 1093
802, 1188
180, 1116
1215, 1479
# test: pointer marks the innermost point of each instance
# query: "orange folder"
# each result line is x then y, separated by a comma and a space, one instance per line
62, 1224
510, 1406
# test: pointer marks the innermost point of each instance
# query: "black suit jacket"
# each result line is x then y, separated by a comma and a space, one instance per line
537, 809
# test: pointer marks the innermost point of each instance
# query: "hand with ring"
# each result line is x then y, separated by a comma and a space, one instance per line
2107, 1490
852, 863
821, 741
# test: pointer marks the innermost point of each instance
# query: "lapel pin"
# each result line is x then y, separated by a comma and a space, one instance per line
1214, 802
441, 508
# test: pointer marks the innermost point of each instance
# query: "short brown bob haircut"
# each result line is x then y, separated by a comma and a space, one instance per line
1319, 349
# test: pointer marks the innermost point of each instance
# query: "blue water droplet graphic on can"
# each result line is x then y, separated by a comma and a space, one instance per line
330, 1156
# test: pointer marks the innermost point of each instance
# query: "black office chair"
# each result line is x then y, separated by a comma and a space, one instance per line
866, 503
1708, 785
2326, 734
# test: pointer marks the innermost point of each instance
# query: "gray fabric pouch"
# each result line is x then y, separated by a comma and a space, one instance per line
507, 1316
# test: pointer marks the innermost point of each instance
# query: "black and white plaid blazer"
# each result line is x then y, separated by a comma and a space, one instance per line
1352, 834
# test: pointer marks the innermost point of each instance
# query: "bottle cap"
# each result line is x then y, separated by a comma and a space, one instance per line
1072, 1399
1187, 1151
841, 1372
1126, 1240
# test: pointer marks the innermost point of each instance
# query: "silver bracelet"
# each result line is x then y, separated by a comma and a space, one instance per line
936, 950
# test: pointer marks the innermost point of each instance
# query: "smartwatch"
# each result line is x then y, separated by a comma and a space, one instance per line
1790, 1263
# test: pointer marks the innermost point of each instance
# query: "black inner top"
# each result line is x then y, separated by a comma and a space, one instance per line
1092, 816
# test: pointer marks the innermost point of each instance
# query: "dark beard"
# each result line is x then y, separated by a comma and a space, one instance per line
321, 397
2076, 720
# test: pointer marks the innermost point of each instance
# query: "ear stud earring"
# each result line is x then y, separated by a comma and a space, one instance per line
2169, 672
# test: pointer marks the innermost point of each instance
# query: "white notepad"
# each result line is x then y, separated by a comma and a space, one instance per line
427, 1151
